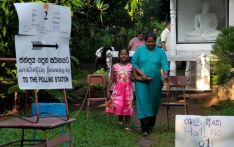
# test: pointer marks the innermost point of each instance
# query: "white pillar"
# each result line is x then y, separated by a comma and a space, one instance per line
188, 71
172, 47
203, 73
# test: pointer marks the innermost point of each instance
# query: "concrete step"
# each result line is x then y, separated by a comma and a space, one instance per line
192, 97
199, 97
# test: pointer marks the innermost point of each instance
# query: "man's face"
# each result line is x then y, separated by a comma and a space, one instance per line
140, 36
169, 27
155, 31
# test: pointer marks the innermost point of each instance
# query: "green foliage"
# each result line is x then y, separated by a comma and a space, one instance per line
56, 94
156, 10
133, 7
74, 62
8, 27
8, 75
222, 63
101, 23
78, 74
101, 71
8, 86
101, 7
13, 89
95, 23
224, 108
79, 79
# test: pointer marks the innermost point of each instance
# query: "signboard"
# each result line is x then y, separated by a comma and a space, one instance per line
43, 62
204, 131
44, 19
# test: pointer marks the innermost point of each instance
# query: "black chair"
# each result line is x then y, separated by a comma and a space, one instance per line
175, 83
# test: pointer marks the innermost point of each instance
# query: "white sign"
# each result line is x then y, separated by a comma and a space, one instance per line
44, 19
204, 131
43, 62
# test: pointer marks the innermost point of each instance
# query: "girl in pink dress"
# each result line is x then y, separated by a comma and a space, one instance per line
122, 95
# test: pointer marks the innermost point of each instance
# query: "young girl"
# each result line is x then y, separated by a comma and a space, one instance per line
122, 95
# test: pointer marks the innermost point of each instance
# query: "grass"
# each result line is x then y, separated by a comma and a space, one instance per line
97, 131
162, 136
224, 108
101, 130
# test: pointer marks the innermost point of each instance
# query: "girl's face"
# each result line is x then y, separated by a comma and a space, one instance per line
123, 56
150, 43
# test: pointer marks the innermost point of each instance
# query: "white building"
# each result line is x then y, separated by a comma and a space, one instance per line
193, 46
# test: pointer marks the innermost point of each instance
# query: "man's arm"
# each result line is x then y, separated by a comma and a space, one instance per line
164, 39
130, 44
164, 45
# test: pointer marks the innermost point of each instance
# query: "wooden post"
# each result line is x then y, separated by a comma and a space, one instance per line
65, 98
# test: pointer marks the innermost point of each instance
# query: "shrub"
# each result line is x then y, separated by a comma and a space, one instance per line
222, 57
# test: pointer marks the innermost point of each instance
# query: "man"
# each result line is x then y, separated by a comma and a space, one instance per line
155, 31
136, 41
101, 57
165, 37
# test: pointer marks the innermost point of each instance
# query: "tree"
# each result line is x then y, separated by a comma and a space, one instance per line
156, 9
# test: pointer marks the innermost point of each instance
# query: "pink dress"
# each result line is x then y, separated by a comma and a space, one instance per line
122, 95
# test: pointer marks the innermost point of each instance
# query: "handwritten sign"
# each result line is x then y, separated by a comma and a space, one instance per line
44, 19
43, 62
204, 131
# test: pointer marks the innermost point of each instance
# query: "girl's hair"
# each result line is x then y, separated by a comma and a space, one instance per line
122, 50
150, 34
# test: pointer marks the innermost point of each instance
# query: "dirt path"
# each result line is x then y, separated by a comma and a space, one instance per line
196, 103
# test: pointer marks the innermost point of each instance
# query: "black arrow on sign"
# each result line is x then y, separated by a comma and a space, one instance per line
37, 45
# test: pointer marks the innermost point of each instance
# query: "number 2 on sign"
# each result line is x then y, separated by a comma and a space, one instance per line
46, 13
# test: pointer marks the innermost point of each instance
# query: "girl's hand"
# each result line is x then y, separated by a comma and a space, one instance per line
145, 79
149, 78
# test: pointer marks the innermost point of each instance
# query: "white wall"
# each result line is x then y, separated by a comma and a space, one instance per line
231, 12
194, 47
